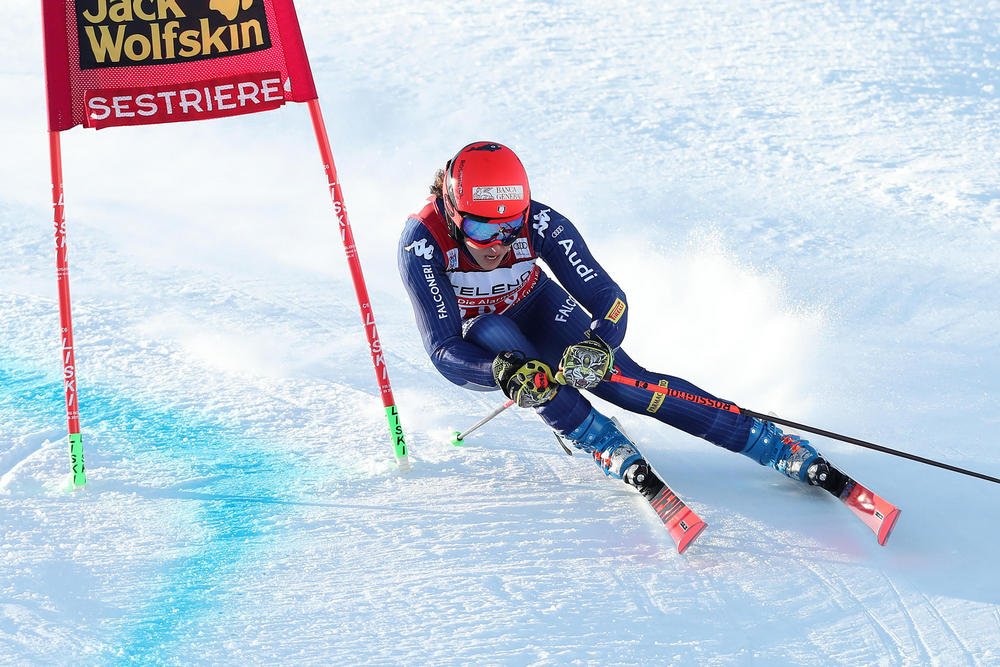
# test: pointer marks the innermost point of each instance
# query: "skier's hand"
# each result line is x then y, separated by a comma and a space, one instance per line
528, 382
585, 364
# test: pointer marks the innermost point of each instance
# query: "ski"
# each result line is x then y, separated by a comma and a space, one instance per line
680, 520
876, 512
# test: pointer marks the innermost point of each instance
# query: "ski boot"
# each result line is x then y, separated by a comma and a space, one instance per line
615, 453
792, 456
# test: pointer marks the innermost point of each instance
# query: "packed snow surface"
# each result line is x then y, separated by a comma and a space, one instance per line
802, 201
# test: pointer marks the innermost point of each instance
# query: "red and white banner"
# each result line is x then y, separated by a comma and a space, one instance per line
136, 62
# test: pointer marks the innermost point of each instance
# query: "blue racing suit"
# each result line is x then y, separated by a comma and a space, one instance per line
467, 315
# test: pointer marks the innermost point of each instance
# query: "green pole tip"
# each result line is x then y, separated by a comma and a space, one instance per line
456, 440
79, 474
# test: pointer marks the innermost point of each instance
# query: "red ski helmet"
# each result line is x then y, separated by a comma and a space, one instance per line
486, 183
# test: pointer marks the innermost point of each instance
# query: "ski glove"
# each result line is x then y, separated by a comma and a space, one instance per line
585, 364
528, 382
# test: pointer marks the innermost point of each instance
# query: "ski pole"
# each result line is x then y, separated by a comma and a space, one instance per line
731, 407
459, 436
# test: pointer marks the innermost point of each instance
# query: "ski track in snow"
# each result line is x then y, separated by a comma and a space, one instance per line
948, 629
814, 189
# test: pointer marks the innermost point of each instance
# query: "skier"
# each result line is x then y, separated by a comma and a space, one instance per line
490, 317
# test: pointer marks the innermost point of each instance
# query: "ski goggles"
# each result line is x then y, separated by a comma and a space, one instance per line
486, 232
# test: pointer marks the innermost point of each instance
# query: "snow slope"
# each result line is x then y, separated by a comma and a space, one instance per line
814, 191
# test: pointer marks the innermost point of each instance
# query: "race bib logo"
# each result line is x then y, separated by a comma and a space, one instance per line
126, 33
421, 249
481, 292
